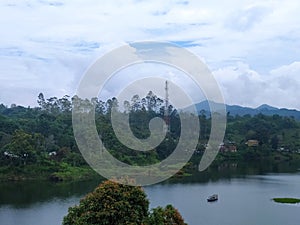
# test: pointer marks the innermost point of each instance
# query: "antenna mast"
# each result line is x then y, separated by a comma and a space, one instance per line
166, 112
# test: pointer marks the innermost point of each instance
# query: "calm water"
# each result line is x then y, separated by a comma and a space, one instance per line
243, 199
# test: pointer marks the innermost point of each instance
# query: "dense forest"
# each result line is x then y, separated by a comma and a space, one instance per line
39, 142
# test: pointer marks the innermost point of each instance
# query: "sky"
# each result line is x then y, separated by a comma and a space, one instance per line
251, 47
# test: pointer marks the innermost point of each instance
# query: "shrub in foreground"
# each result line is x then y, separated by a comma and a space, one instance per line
112, 203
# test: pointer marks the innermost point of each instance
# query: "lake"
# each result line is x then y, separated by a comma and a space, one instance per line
244, 199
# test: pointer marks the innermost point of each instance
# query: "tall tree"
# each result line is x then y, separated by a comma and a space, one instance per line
22, 148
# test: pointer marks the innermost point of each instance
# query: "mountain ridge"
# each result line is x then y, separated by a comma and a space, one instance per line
233, 110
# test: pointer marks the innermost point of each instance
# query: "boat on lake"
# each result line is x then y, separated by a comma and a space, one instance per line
212, 198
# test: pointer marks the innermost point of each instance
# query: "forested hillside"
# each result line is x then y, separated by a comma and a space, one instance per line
39, 143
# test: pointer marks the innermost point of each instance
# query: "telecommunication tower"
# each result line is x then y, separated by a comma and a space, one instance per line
166, 112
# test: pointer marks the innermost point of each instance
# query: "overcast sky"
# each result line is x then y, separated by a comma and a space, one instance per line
252, 47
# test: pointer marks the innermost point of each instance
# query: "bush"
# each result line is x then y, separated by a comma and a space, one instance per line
165, 216
112, 203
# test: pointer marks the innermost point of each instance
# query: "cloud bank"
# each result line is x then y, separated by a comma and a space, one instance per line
250, 46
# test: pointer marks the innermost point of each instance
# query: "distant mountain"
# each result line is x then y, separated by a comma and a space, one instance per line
266, 107
203, 107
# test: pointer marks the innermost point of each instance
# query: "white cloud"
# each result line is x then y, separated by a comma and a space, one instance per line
241, 85
45, 46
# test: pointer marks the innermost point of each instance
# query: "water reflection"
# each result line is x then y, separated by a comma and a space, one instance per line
26, 193
229, 170
23, 194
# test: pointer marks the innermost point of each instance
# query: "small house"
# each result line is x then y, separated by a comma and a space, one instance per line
228, 146
252, 143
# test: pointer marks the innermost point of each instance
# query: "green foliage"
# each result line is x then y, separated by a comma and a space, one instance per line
112, 203
165, 216
67, 172
21, 149
287, 200
272, 132
43, 135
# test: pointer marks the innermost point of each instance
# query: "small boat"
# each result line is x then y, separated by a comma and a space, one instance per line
212, 198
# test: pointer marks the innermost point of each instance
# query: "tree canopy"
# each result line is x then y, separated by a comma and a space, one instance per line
112, 203
43, 136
